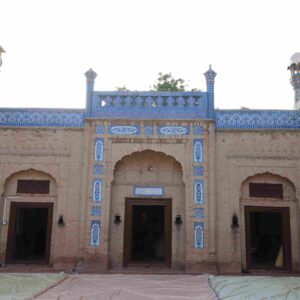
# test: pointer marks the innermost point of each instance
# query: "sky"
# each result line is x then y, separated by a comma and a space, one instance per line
50, 44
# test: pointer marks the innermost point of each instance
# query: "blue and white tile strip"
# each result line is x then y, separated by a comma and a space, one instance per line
198, 150
96, 211
123, 129
99, 149
199, 235
198, 192
257, 119
100, 129
97, 190
95, 233
174, 130
148, 130
41, 117
198, 212
98, 169
198, 171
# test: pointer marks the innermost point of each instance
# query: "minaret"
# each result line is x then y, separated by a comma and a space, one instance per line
210, 75
295, 78
1, 51
90, 80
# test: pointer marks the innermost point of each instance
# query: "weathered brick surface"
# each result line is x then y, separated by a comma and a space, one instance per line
231, 160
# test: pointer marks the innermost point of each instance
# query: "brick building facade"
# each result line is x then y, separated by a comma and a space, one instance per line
151, 179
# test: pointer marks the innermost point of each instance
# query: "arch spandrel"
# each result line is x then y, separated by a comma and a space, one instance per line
269, 178
282, 172
121, 155
29, 173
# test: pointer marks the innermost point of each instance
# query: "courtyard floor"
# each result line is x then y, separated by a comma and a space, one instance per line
15, 286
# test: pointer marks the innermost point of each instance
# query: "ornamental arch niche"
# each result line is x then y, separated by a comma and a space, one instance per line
147, 190
26, 212
269, 222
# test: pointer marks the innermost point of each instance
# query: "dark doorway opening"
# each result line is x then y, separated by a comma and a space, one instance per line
147, 234
268, 238
29, 233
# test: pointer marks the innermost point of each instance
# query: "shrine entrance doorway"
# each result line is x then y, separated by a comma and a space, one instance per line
147, 232
29, 233
268, 243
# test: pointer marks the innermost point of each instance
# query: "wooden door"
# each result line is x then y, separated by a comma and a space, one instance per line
39, 252
284, 214
131, 203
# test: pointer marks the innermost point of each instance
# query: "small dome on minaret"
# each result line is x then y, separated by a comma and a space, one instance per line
295, 58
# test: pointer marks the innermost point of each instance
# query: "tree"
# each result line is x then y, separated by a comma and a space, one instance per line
122, 88
166, 83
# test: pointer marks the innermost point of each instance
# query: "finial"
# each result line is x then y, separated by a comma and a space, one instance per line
210, 75
90, 76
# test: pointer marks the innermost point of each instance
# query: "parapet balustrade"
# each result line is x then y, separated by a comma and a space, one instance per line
150, 105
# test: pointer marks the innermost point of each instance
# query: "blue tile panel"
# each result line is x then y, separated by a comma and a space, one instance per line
198, 130
257, 119
199, 235
98, 149
198, 150
100, 129
198, 213
173, 130
149, 105
98, 169
123, 129
97, 190
41, 117
198, 192
148, 130
198, 171
96, 211
95, 233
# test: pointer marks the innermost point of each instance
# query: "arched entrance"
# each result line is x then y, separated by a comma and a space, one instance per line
27, 211
147, 193
267, 203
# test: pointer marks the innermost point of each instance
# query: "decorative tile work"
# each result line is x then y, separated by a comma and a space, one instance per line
100, 129
198, 192
198, 130
149, 105
39, 117
174, 130
95, 233
199, 235
96, 211
97, 190
198, 213
148, 130
198, 171
198, 150
148, 191
123, 130
257, 119
98, 169
99, 149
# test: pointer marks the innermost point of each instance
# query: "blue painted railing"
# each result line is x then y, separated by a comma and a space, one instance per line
257, 119
149, 105
41, 117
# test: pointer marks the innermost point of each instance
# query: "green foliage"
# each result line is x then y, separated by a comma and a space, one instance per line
166, 83
122, 88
